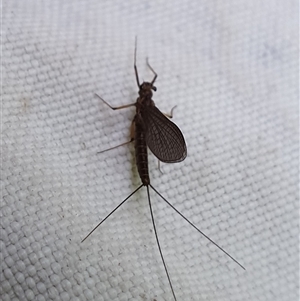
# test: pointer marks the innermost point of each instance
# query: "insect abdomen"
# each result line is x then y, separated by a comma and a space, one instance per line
141, 153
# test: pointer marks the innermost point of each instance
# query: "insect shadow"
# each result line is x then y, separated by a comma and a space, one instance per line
151, 128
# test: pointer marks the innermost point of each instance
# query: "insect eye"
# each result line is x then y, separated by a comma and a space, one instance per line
153, 88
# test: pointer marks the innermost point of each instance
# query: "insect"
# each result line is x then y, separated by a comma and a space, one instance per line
151, 128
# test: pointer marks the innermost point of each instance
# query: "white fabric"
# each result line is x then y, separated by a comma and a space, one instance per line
231, 67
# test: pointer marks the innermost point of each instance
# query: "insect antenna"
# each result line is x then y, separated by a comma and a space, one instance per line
135, 68
197, 228
158, 244
113, 212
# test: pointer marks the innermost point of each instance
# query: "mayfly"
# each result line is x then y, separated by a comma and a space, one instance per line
151, 128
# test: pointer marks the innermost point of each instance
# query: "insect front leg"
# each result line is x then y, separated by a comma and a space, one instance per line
116, 108
155, 74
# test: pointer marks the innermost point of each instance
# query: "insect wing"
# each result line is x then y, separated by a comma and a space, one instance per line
163, 137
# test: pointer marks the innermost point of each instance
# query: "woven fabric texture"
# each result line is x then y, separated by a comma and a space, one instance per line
231, 68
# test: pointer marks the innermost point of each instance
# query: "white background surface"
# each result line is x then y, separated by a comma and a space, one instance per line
231, 67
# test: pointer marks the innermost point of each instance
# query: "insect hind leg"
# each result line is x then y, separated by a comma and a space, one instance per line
132, 132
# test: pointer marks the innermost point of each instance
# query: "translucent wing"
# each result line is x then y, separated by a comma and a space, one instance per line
163, 137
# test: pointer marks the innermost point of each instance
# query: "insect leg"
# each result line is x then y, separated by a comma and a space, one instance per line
132, 129
158, 166
171, 114
116, 108
127, 142
155, 74
159, 248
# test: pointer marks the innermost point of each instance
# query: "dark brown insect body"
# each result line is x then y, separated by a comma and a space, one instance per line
141, 154
151, 128
154, 130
